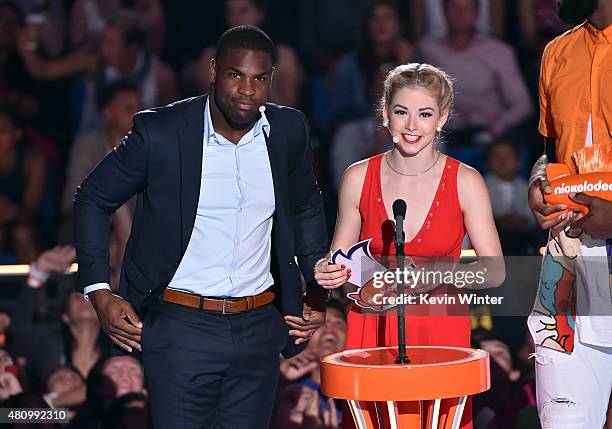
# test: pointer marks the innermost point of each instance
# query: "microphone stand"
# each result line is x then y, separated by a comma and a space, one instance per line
401, 318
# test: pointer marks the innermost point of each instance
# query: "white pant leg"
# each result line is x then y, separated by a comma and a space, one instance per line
573, 390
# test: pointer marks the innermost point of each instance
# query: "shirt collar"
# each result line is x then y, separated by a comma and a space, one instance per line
600, 36
262, 124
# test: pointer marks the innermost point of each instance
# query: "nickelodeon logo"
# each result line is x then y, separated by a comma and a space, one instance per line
563, 182
582, 187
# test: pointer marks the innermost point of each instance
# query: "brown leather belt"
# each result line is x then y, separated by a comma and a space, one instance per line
221, 305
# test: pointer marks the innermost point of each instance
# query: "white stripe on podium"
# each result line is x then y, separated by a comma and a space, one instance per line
459, 412
435, 414
358, 417
393, 414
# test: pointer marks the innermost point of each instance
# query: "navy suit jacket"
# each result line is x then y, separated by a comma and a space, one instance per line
160, 161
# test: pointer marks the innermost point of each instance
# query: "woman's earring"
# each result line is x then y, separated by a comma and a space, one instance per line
395, 140
385, 124
439, 129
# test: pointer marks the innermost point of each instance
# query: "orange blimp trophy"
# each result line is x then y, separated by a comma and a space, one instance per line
563, 183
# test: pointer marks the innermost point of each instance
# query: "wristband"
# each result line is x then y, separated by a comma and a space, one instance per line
37, 273
36, 277
538, 170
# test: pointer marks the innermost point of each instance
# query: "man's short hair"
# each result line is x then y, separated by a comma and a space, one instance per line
108, 93
245, 37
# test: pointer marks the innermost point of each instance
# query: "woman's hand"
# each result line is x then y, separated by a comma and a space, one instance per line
331, 276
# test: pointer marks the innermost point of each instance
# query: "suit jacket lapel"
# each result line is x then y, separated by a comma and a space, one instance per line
277, 152
190, 140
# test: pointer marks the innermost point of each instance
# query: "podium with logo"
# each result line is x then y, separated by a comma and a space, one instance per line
428, 392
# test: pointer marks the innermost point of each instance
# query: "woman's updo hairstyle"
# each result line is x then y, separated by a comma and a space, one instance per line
422, 76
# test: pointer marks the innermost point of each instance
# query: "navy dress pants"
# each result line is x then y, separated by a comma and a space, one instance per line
212, 370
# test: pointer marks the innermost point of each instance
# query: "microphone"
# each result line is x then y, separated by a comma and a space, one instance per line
399, 213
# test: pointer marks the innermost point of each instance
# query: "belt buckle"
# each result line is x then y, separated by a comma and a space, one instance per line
223, 311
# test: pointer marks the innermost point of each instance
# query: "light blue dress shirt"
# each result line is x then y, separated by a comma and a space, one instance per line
230, 246
229, 252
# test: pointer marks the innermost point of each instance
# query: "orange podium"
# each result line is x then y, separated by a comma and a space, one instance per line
429, 392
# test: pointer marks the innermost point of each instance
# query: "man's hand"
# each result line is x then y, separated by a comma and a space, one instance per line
540, 210
598, 222
304, 327
117, 319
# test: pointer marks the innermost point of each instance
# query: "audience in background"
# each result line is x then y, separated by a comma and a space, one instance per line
508, 191
288, 74
84, 343
300, 403
122, 55
22, 173
538, 23
43, 105
17, 86
97, 62
116, 397
427, 18
10, 386
492, 98
361, 138
88, 18
65, 388
50, 19
118, 102
381, 42
76, 341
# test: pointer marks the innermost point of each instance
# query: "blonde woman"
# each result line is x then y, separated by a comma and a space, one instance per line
445, 199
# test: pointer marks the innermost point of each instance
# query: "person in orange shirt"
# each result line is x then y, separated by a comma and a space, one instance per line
572, 318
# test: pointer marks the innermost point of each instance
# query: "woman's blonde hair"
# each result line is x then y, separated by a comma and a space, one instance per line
422, 76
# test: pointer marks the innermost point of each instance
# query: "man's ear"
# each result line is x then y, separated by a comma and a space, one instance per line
272, 74
212, 71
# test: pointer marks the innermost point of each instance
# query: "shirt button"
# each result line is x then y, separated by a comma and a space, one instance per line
237, 242
238, 178
239, 209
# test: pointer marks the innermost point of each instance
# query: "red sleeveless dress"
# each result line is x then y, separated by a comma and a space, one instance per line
441, 234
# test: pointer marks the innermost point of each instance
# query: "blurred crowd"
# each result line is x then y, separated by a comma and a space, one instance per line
72, 74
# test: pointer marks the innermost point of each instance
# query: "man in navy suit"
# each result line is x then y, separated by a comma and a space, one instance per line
226, 201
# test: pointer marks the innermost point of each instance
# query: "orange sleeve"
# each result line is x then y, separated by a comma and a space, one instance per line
546, 125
